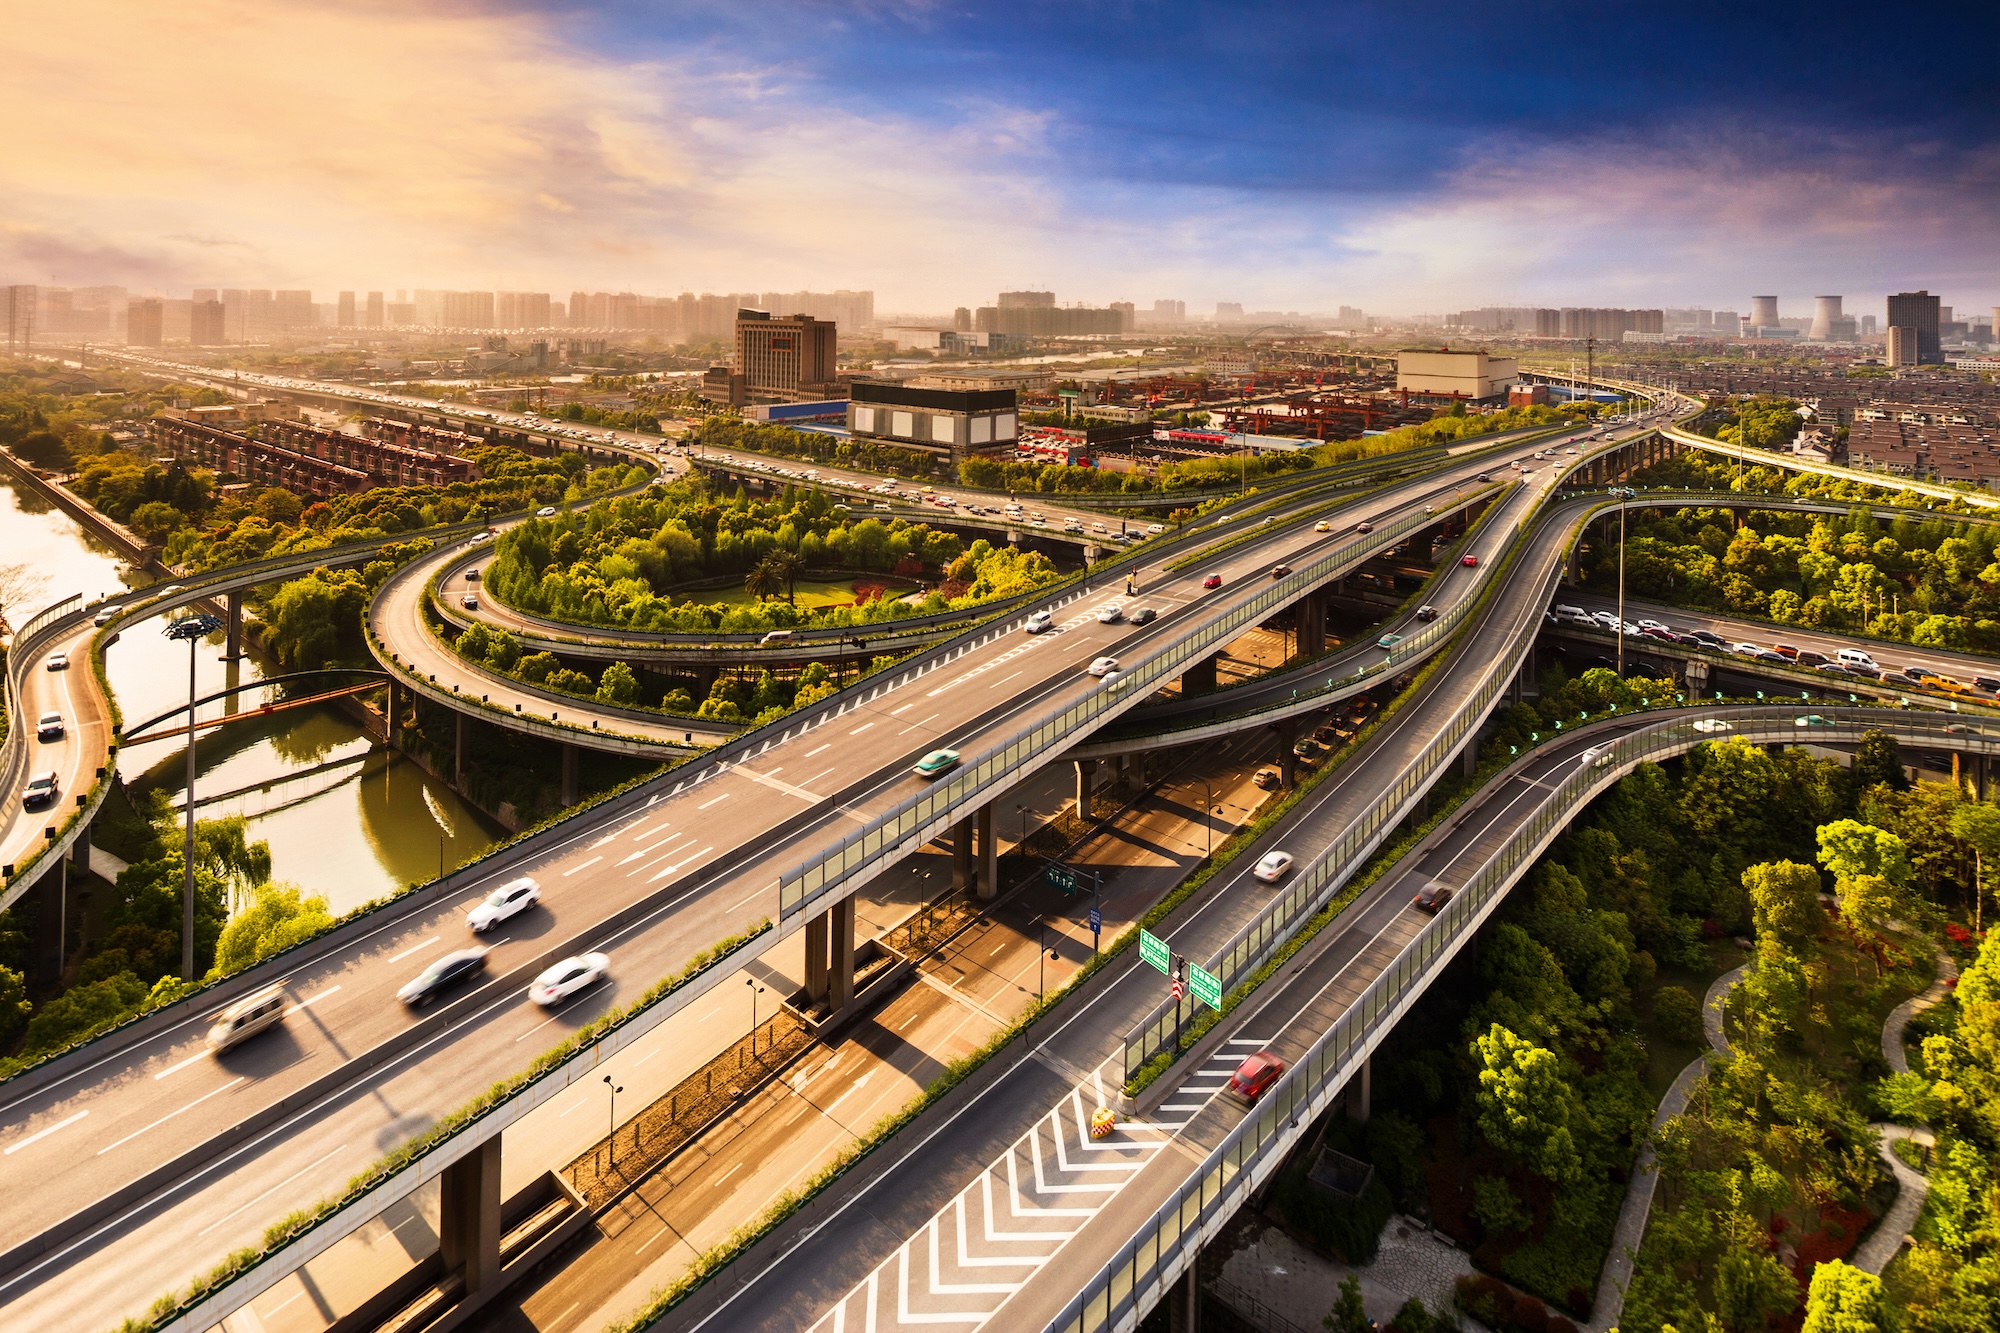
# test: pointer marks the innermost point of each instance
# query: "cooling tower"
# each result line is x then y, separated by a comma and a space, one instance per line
1826, 313
1763, 312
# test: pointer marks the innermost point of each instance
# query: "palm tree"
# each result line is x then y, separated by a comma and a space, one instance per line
787, 566
763, 580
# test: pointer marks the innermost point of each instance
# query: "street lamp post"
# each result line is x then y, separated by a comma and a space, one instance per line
755, 991
1621, 590
193, 628
1208, 815
612, 1137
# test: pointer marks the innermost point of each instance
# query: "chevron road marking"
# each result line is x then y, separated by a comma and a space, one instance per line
992, 1237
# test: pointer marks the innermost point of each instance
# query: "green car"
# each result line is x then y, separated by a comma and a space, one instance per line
936, 762
1388, 641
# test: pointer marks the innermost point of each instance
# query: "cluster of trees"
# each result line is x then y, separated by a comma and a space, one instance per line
134, 963
625, 561
727, 432
275, 522
1934, 582
1760, 423
636, 418
314, 622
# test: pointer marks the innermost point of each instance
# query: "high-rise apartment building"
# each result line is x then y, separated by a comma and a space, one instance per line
144, 320
295, 309
1919, 312
1607, 324
1027, 300
522, 310
1128, 315
849, 309
205, 323
1170, 312
374, 314
17, 314
789, 358
1228, 312
1902, 345
961, 319
343, 310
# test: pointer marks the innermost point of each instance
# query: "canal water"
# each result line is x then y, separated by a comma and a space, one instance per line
344, 818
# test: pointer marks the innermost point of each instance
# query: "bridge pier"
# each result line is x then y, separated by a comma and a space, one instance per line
1311, 617
817, 931
391, 718
51, 925
460, 742
989, 855
569, 774
830, 957
1288, 761
961, 855
469, 1221
1184, 1301
1201, 678
1359, 1089
233, 645
1086, 782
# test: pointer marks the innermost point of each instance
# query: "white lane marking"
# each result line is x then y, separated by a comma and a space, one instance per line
904, 709
858, 1085
822, 749
647, 851
714, 800
273, 1190
309, 1003
914, 725
194, 1059
585, 866
863, 727
42, 1134
726, 1175
766, 780
169, 1116
533, 1030
416, 948
684, 861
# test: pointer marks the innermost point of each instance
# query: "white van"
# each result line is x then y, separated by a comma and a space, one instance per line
1564, 611
1853, 657
775, 636
246, 1018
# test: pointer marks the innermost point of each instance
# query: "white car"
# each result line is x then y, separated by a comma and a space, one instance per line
568, 977
1605, 618
1711, 724
1104, 666
546, 511
1110, 613
58, 662
1654, 624
1038, 622
1273, 866
1156, 528
511, 898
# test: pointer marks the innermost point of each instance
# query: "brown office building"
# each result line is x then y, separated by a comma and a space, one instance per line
144, 321
205, 323
787, 360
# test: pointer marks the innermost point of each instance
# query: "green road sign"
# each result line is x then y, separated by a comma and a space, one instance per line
1061, 877
1206, 985
1155, 951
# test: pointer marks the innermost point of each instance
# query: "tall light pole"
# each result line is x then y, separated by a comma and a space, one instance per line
1621, 589
755, 991
194, 628
1208, 815
611, 1138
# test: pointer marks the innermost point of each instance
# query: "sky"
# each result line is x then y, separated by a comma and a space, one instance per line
1403, 157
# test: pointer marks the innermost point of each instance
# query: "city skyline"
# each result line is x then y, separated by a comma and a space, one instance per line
935, 155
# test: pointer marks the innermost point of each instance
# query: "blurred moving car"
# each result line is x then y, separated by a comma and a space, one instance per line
1254, 1077
1272, 866
568, 977
447, 972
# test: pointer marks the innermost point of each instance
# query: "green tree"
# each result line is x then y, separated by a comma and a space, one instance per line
1348, 1315
1879, 759
618, 686
44, 450
1978, 826
763, 580
1784, 902
1677, 1014
1850, 848
156, 520
14, 1006
1525, 1104
276, 917
1752, 1288
1843, 1299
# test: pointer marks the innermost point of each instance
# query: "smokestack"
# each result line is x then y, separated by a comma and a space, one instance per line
1826, 310
1763, 312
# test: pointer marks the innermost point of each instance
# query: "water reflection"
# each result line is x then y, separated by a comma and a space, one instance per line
343, 818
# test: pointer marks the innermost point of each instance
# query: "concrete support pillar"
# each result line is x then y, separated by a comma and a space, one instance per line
1184, 1303
469, 1217
79, 851
1311, 615
569, 774
460, 741
989, 855
1086, 781
961, 855
51, 925
1200, 678
391, 718
841, 920
1359, 1090
234, 645
817, 931
1471, 760
1288, 763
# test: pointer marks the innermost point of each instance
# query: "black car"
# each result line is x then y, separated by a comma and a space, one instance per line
1427, 613
1280, 571
1143, 615
1987, 683
442, 975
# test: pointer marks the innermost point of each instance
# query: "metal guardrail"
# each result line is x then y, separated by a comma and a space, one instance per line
1165, 1244
921, 815
1307, 893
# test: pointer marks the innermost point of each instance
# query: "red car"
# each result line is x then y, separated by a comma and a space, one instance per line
1255, 1075
1212, 581
1470, 562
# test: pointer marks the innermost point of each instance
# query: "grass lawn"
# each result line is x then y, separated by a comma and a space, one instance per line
812, 594
1665, 1059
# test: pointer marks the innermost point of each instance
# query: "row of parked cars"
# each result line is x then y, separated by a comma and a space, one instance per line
1845, 661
